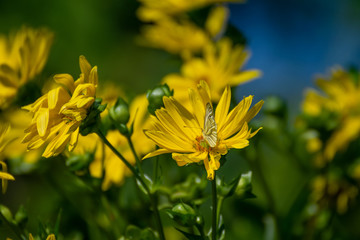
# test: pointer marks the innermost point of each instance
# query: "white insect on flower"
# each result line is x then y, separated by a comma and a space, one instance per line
210, 128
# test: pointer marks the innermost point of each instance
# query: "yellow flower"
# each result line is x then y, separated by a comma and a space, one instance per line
115, 170
156, 10
219, 67
177, 37
58, 114
22, 57
19, 120
4, 175
328, 190
199, 135
341, 96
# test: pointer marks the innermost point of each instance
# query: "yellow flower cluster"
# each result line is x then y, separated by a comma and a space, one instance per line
58, 114
341, 96
22, 56
219, 67
197, 135
207, 55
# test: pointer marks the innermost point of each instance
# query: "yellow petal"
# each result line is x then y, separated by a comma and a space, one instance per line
222, 108
73, 139
234, 119
254, 111
183, 117
6, 176
85, 67
209, 170
204, 92
42, 121
245, 76
198, 107
216, 20
214, 161
66, 80
156, 153
183, 159
169, 142
170, 125
93, 78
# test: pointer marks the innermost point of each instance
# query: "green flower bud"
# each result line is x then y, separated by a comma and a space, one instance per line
21, 217
79, 162
155, 97
184, 214
120, 111
92, 121
275, 105
244, 188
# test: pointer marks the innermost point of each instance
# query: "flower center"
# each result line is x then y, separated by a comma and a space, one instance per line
201, 144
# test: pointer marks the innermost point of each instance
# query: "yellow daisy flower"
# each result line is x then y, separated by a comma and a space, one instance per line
341, 96
199, 135
177, 37
4, 175
58, 114
219, 67
22, 57
151, 10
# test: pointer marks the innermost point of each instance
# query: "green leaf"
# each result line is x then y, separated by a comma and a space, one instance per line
190, 236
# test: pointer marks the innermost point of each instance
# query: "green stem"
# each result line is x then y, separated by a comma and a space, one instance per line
154, 202
201, 231
153, 197
138, 164
11, 226
219, 206
214, 210
156, 166
272, 208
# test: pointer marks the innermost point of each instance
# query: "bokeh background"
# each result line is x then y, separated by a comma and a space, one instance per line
290, 41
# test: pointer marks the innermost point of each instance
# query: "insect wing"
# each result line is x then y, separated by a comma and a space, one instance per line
210, 128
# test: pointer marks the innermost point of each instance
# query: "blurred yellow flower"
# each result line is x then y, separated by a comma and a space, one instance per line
329, 191
194, 136
339, 95
58, 114
19, 120
151, 10
22, 56
177, 37
4, 175
115, 170
219, 67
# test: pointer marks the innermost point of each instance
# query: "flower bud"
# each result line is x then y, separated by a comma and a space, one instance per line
155, 97
79, 162
244, 188
21, 217
184, 214
120, 111
275, 105
91, 123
